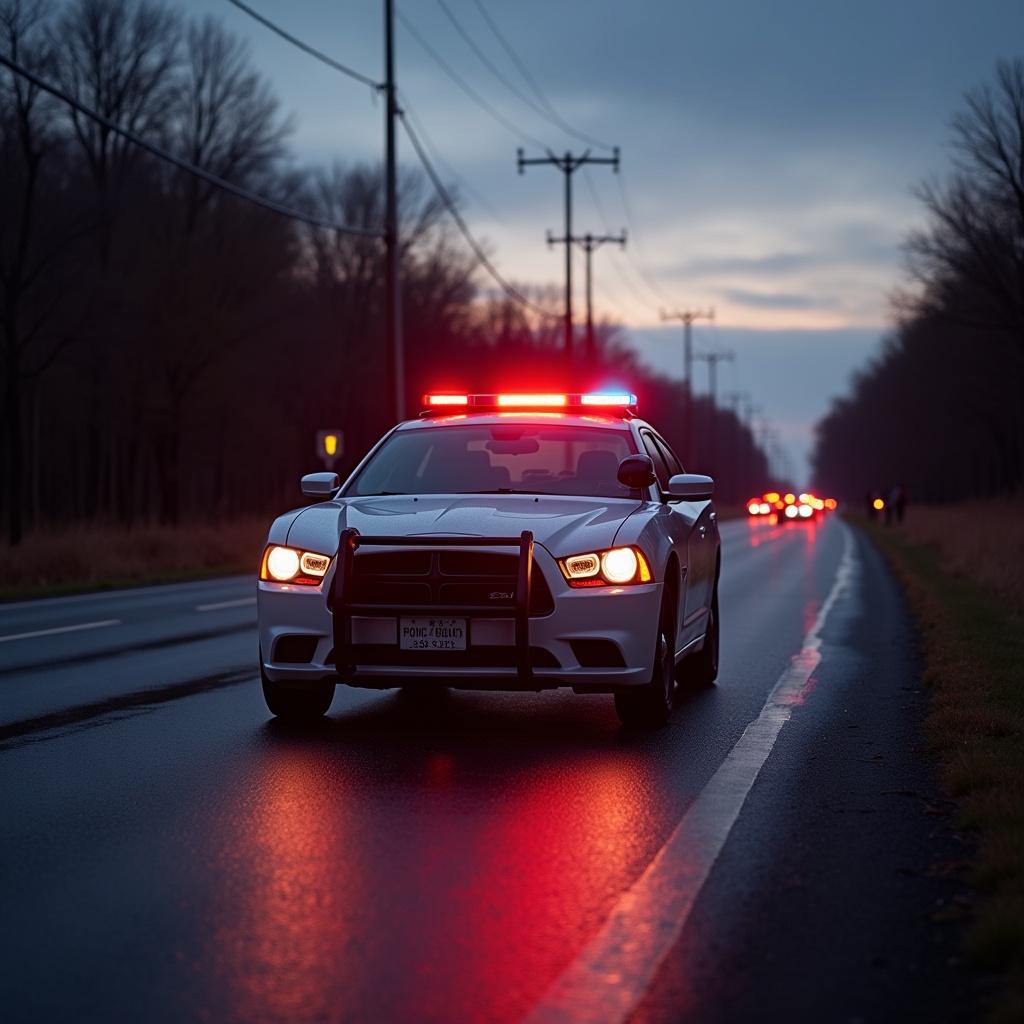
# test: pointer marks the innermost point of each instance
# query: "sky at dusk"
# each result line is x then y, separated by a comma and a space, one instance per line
768, 154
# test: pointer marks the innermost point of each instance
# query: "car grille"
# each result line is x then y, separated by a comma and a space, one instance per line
443, 578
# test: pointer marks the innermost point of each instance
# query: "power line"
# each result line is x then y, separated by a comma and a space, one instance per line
199, 172
538, 92
489, 64
429, 144
308, 49
545, 110
628, 282
464, 86
508, 289
631, 224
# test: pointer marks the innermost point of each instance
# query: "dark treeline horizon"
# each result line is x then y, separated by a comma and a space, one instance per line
170, 350
940, 411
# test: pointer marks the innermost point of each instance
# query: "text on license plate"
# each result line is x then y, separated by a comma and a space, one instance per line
432, 634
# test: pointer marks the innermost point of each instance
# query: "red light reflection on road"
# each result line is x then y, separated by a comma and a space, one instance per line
552, 865
411, 890
286, 921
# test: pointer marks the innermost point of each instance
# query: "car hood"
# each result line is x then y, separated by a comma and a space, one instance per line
562, 525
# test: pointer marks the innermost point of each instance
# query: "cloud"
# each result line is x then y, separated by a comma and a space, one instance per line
762, 300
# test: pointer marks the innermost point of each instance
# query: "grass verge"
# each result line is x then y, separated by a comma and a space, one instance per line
968, 611
91, 558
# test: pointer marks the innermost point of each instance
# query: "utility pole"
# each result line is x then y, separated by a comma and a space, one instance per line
589, 243
734, 398
392, 289
567, 165
688, 316
713, 359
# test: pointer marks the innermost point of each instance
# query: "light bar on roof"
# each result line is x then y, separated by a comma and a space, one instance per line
616, 400
530, 401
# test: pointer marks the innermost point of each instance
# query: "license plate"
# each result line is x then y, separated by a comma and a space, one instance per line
432, 634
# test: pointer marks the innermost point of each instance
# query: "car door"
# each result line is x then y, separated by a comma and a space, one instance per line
696, 517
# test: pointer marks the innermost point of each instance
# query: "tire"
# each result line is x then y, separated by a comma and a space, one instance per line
650, 706
701, 669
297, 704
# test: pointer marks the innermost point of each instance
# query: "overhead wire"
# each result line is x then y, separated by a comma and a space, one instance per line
465, 87
544, 110
508, 289
538, 92
489, 64
421, 147
449, 203
377, 86
429, 144
199, 172
653, 285
615, 256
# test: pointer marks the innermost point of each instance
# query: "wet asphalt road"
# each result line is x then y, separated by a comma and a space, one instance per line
170, 853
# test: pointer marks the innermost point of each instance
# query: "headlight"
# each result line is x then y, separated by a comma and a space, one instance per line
291, 565
600, 568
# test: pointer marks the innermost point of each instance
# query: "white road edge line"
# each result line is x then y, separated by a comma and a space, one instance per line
225, 604
60, 629
611, 975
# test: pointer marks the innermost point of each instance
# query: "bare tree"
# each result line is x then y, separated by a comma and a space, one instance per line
38, 232
214, 262
970, 257
117, 58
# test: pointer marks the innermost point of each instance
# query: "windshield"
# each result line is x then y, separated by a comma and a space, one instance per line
498, 459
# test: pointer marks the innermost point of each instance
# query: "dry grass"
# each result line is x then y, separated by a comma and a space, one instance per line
963, 572
97, 556
982, 541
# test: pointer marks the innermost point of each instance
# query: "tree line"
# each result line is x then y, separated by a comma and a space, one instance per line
169, 349
940, 411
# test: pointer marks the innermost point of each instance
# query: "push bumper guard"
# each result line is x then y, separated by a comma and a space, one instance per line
345, 609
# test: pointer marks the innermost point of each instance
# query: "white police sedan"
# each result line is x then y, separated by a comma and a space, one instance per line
512, 542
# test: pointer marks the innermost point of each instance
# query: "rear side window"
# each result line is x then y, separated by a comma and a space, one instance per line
661, 469
498, 458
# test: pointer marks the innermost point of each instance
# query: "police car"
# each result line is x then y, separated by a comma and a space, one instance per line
507, 541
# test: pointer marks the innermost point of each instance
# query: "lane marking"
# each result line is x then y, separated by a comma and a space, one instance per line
60, 629
225, 604
611, 975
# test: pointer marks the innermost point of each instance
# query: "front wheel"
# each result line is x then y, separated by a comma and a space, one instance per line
650, 705
297, 704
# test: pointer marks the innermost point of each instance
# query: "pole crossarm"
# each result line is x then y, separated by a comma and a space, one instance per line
567, 165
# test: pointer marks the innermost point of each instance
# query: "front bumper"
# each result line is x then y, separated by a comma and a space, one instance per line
595, 640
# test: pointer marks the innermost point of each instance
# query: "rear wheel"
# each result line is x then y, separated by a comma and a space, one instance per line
297, 704
650, 705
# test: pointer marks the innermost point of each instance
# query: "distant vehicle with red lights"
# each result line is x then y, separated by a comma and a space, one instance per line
789, 507
514, 542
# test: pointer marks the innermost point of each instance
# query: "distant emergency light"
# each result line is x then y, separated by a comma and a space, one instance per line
595, 400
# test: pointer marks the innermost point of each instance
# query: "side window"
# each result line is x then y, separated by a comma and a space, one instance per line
660, 466
674, 465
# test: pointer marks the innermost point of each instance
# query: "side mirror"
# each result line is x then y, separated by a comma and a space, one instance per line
320, 485
691, 486
636, 471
